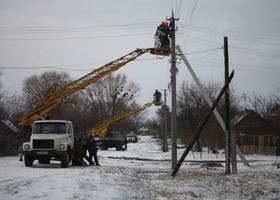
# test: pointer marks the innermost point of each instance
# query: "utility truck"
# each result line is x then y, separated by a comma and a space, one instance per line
52, 140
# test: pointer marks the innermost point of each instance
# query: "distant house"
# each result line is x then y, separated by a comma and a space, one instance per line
143, 131
252, 134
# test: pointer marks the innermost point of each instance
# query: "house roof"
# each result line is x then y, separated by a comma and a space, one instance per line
237, 119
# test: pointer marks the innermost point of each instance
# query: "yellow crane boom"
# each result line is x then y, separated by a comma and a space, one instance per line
53, 99
102, 128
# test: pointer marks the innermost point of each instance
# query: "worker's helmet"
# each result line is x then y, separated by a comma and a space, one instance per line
46, 116
89, 136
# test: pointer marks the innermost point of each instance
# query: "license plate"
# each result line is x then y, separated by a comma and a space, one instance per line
42, 153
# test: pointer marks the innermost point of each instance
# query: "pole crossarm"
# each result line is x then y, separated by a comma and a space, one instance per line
101, 128
209, 101
54, 98
202, 125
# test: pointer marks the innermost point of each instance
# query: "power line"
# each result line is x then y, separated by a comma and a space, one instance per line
184, 22
260, 52
240, 67
34, 28
64, 68
45, 67
257, 35
241, 35
192, 13
179, 8
204, 56
196, 41
190, 21
78, 38
203, 51
55, 31
252, 51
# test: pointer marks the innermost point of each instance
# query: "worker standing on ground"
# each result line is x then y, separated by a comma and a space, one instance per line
92, 149
85, 148
162, 33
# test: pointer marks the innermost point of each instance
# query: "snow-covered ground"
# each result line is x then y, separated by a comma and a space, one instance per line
141, 172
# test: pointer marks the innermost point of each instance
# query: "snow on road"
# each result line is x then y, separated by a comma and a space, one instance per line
141, 172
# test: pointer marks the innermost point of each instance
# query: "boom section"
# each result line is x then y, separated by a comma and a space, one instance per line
101, 128
54, 98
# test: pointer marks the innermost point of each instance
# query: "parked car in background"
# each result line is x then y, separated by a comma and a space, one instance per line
131, 137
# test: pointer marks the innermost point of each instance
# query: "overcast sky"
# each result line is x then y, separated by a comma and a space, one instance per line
80, 35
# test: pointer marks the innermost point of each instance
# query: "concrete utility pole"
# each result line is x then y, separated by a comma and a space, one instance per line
173, 95
227, 108
165, 110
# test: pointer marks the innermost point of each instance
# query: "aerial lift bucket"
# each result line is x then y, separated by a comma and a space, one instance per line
158, 50
157, 101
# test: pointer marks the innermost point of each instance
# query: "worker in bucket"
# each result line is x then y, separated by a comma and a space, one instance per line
162, 33
157, 96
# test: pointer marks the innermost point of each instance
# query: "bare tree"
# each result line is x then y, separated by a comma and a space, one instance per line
192, 109
10, 138
37, 87
14, 107
110, 96
264, 106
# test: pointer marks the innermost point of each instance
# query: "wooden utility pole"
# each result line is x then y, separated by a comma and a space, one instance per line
227, 108
233, 152
173, 95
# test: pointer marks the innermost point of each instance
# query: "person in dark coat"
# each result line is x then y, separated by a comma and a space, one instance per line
85, 148
157, 96
163, 32
92, 149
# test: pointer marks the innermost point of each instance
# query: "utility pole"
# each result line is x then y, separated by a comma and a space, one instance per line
233, 152
165, 145
173, 95
227, 108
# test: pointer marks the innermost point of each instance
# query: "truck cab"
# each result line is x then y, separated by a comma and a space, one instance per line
50, 140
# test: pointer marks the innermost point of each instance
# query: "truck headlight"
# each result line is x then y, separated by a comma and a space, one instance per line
26, 146
62, 146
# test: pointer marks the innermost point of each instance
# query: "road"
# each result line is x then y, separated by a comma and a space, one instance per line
141, 172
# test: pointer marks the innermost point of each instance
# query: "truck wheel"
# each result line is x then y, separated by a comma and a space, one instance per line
65, 160
28, 161
118, 147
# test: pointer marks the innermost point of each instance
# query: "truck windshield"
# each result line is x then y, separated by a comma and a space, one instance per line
49, 128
